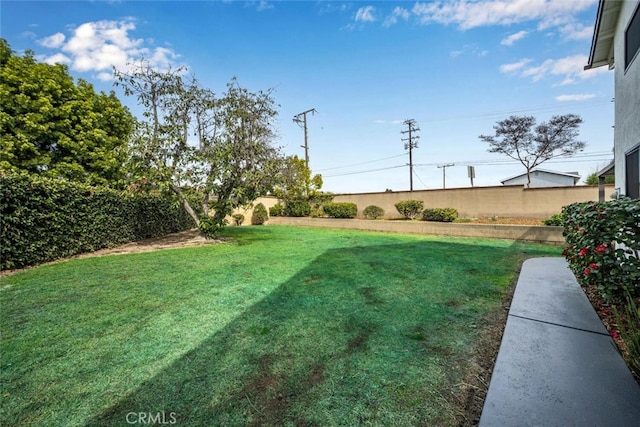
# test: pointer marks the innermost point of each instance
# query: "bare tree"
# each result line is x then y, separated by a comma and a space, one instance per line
517, 138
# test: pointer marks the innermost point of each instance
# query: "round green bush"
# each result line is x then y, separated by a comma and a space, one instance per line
410, 209
373, 212
297, 208
340, 209
276, 210
440, 214
260, 215
238, 218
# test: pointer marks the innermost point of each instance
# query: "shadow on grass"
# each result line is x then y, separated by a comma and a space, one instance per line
373, 334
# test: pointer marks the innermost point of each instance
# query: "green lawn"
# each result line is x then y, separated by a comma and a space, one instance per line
279, 326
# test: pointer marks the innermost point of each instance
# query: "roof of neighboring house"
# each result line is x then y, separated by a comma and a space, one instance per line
608, 170
603, 33
574, 175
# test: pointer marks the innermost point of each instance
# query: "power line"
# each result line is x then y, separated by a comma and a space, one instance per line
420, 179
362, 163
366, 171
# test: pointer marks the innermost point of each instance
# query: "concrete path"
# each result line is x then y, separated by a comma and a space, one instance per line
557, 365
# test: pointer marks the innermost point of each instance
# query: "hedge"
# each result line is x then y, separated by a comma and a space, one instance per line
440, 214
45, 219
340, 209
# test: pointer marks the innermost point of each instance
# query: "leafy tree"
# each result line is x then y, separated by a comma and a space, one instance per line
297, 186
592, 179
516, 137
190, 138
51, 126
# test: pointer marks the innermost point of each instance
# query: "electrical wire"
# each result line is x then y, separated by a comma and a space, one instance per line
366, 171
362, 163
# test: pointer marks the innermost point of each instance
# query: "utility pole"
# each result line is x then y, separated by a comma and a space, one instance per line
301, 119
412, 142
444, 167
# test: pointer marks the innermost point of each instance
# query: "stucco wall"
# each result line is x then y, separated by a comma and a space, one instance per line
480, 202
513, 201
542, 234
627, 91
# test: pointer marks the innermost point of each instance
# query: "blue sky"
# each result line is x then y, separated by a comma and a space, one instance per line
456, 67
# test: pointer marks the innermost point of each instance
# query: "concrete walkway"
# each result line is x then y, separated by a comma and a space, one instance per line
557, 364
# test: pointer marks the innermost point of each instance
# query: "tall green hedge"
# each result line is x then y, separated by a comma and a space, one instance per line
45, 219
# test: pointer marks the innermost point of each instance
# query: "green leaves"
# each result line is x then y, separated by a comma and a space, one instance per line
515, 138
220, 145
53, 127
603, 245
45, 219
410, 209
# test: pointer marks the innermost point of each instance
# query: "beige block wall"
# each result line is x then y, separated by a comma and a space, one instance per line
543, 234
513, 201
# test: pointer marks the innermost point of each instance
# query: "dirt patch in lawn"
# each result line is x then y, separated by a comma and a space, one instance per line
175, 240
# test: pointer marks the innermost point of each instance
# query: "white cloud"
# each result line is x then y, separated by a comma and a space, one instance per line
101, 45
469, 49
510, 40
577, 31
513, 67
53, 41
264, 5
571, 68
58, 58
397, 13
575, 97
467, 14
365, 14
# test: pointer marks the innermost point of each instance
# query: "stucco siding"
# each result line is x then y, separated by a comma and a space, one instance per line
627, 93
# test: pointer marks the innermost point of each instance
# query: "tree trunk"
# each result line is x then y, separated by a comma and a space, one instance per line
528, 178
185, 204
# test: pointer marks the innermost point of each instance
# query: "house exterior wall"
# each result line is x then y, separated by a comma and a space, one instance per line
542, 179
627, 93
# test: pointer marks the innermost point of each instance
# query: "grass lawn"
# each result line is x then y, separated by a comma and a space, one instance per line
279, 326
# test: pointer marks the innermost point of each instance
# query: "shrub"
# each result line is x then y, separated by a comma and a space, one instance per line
317, 212
46, 219
341, 209
276, 210
373, 212
260, 215
603, 246
210, 228
410, 209
238, 218
440, 214
554, 220
629, 324
297, 208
